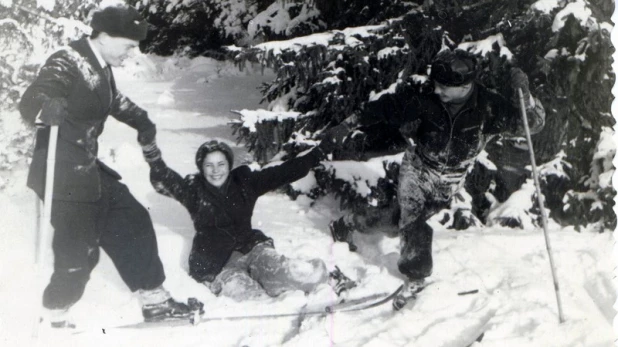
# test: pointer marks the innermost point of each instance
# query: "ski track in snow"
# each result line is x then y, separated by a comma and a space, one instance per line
515, 304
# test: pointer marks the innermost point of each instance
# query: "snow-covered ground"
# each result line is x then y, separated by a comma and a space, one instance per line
190, 102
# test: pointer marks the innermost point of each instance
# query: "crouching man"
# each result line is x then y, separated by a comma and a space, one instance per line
447, 129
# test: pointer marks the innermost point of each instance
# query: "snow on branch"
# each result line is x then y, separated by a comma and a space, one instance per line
343, 38
249, 118
485, 46
362, 176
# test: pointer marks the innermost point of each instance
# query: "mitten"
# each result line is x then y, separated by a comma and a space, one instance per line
146, 137
519, 80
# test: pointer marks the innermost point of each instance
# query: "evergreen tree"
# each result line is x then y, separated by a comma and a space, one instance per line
565, 51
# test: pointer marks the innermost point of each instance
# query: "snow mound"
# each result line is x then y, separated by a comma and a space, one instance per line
166, 98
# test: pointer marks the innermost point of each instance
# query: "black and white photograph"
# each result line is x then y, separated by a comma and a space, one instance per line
256, 173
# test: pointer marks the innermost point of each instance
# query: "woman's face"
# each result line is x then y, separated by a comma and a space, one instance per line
216, 168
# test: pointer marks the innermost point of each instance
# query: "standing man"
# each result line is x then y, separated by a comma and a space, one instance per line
447, 129
75, 90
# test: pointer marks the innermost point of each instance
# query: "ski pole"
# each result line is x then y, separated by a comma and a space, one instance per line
37, 228
44, 234
49, 190
535, 175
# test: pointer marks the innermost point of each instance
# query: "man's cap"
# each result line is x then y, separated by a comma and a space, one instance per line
454, 68
120, 21
213, 146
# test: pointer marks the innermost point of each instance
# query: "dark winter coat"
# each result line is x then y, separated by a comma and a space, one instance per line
222, 216
74, 73
450, 142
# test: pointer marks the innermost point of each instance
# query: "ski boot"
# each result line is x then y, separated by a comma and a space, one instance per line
169, 309
410, 289
340, 282
197, 310
342, 232
60, 319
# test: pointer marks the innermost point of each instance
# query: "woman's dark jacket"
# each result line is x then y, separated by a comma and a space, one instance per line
222, 216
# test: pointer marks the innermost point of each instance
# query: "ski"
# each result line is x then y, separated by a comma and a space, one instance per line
363, 305
352, 305
403, 298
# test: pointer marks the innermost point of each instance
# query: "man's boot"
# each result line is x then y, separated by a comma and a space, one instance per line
157, 305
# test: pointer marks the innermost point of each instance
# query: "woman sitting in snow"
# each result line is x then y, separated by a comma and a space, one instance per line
228, 255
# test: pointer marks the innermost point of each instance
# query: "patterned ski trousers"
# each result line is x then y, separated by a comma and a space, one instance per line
264, 270
422, 193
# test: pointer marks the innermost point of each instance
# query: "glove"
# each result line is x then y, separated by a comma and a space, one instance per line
519, 80
410, 129
54, 111
147, 137
151, 153
333, 138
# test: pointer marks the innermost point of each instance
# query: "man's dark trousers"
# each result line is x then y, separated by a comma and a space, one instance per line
120, 225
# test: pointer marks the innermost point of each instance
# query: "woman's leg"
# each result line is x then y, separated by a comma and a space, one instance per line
276, 273
234, 281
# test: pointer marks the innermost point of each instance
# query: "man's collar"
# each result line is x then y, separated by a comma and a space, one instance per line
473, 99
96, 52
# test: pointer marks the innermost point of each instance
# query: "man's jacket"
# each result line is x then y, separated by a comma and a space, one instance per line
450, 142
74, 73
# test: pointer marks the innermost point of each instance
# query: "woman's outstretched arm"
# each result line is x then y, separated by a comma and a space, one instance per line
165, 180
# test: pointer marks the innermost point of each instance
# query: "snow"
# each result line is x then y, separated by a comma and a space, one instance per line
482, 47
296, 44
250, 118
361, 176
551, 54
278, 19
47, 5
545, 6
580, 10
107, 3
516, 207
602, 168
515, 304
385, 52
390, 90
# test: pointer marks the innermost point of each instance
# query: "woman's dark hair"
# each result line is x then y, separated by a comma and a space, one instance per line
213, 146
